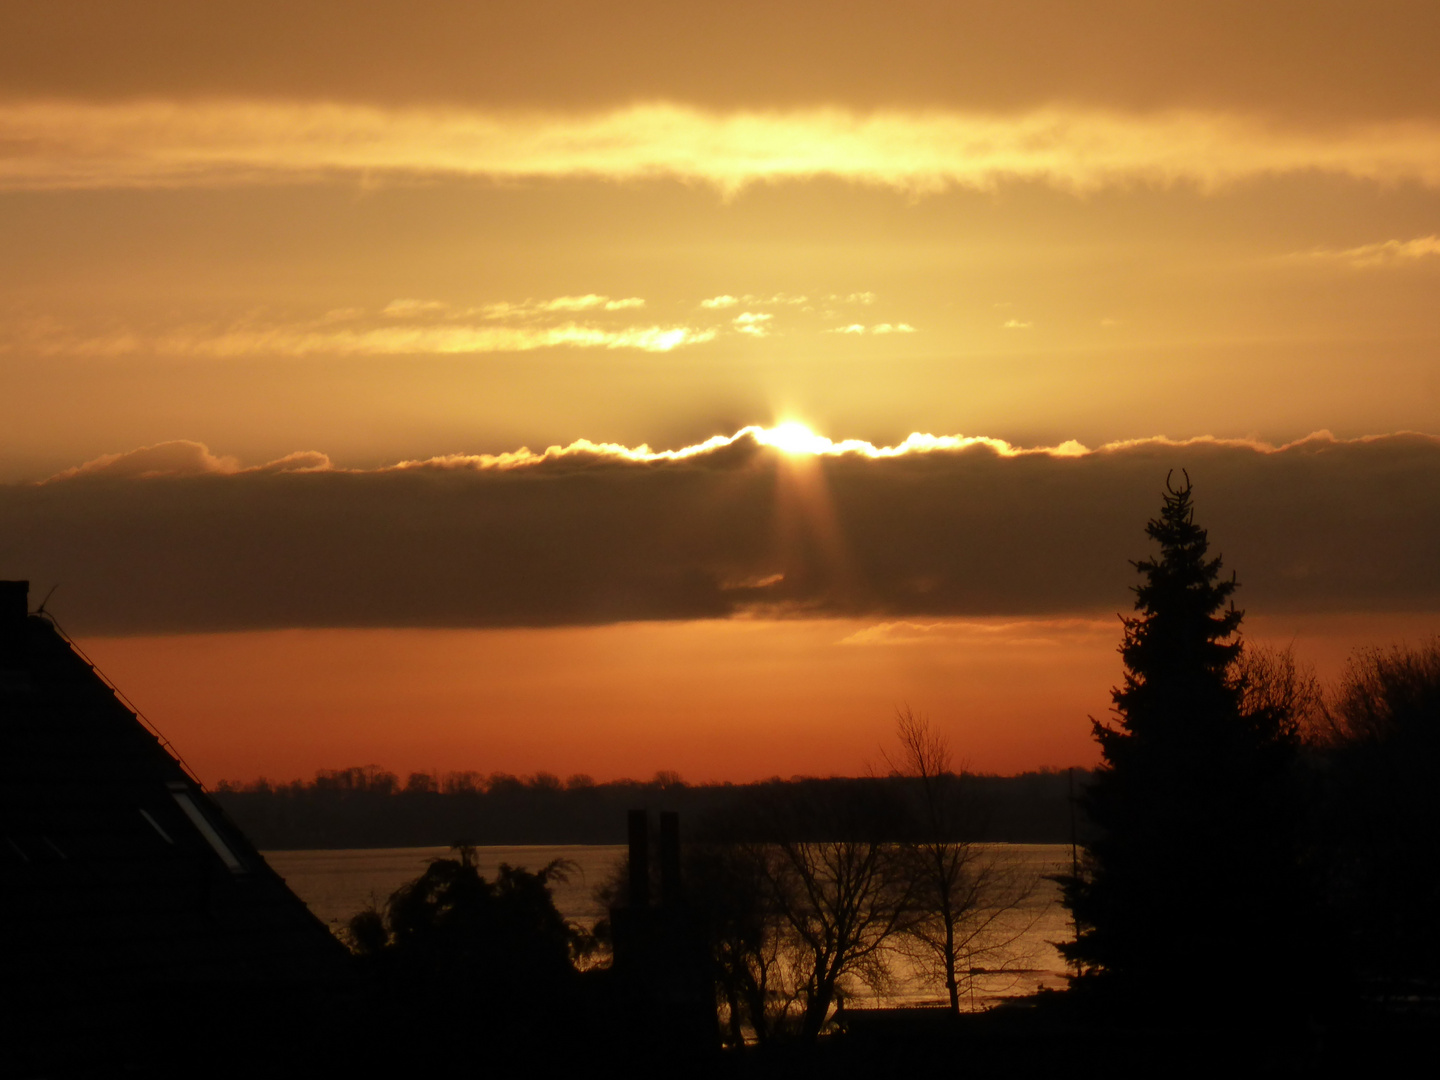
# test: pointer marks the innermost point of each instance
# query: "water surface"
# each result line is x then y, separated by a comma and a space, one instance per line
336, 884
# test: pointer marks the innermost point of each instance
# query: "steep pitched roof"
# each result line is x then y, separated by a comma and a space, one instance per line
118, 870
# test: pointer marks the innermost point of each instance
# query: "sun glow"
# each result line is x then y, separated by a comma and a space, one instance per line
794, 438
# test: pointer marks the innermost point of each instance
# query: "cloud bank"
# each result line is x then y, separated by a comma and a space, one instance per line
176, 538
71, 144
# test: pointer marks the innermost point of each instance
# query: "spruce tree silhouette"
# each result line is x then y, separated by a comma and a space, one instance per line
1189, 892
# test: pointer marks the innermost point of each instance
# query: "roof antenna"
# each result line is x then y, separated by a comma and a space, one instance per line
41, 609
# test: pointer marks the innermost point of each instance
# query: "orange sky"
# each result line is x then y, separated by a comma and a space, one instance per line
737, 700
337, 238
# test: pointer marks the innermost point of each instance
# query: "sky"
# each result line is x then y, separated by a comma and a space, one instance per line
612, 388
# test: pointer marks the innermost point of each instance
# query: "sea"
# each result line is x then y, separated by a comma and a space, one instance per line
1019, 955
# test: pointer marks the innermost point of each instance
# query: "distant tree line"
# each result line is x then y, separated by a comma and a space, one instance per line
371, 807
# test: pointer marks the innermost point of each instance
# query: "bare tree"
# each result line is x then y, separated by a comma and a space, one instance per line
1279, 695
965, 897
797, 892
842, 901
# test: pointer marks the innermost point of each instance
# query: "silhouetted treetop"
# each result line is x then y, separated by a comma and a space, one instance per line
1178, 651
1195, 855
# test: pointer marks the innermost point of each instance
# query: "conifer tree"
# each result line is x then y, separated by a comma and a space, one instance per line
1188, 878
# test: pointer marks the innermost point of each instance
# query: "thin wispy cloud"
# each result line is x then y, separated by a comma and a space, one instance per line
409, 309
752, 323
416, 326
973, 633
877, 328
312, 340
778, 299
508, 309
73, 144
404, 326
1384, 253
185, 457
589, 302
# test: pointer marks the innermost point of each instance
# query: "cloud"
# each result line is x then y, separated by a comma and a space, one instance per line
184, 457
938, 528
409, 326
878, 328
752, 323
1017, 324
778, 299
312, 339
180, 457
973, 633
1288, 57
588, 302
1385, 253
77, 144
506, 309
414, 309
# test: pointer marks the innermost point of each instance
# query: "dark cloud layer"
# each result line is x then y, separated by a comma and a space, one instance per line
596, 538
1308, 59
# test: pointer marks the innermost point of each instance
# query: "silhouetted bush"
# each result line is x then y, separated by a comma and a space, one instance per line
451, 931
1382, 817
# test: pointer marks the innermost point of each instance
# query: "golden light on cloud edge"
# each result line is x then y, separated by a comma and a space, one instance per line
789, 437
68, 144
794, 438
175, 538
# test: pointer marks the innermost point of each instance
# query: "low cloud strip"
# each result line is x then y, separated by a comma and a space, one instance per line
71, 144
179, 539
229, 343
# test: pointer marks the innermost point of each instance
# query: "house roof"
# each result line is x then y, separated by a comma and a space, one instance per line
118, 870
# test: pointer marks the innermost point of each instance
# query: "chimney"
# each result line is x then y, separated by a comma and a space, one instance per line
669, 858
14, 601
638, 822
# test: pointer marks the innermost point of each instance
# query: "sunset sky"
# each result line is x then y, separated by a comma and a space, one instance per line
862, 338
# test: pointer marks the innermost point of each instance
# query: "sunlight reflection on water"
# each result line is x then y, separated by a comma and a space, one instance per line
338, 883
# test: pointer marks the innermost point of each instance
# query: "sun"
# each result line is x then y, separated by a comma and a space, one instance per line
793, 437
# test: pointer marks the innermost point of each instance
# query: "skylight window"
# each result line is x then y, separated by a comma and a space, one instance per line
181, 795
156, 826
